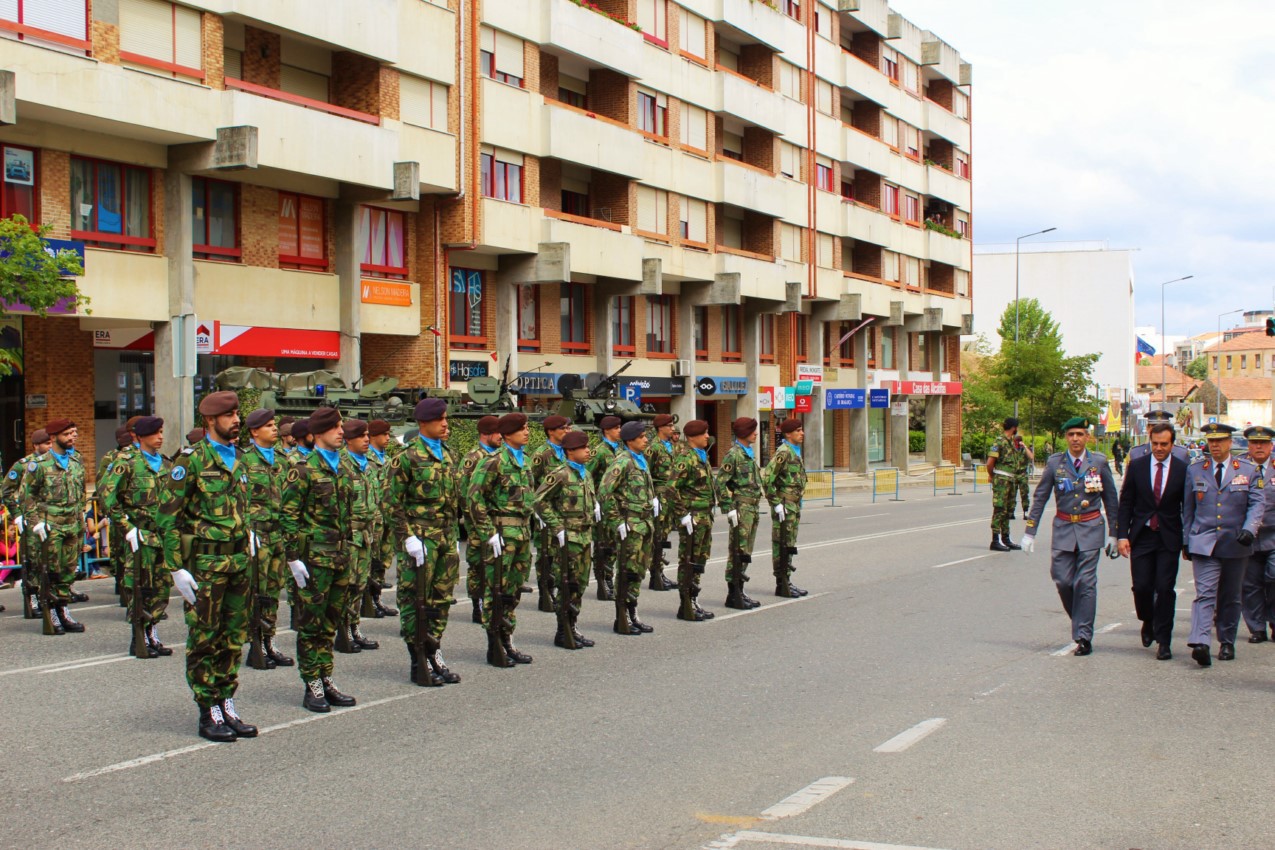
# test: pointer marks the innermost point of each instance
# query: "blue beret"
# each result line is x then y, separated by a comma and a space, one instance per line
430, 409
630, 431
147, 425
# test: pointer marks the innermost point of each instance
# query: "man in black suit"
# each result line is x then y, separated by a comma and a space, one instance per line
1150, 534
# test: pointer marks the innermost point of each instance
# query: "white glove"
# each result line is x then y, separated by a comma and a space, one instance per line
40, 530
541, 521
416, 549
299, 572
134, 538
562, 538
1028, 543
253, 544
185, 584
780, 513
623, 530
497, 545
20, 523
597, 512
688, 523
655, 505
457, 548
1112, 551
732, 517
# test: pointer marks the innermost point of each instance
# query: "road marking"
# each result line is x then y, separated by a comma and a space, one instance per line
992, 691
1071, 647
40, 667
962, 561
814, 793
181, 751
87, 664
862, 537
950, 507
726, 842
770, 607
907, 738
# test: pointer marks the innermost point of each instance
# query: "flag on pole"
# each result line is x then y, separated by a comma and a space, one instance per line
1145, 348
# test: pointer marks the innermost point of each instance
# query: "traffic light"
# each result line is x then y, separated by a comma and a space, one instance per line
1270, 327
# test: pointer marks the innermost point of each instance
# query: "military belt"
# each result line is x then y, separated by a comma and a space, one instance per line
510, 521
220, 547
1079, 517
265, 527
323, 547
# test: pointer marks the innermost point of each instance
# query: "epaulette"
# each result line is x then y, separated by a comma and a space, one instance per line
1056, 455
189, 450
1200, 459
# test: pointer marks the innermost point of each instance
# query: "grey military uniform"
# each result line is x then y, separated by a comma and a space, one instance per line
1081, 498
1211, 520
1179, 453
1259, 571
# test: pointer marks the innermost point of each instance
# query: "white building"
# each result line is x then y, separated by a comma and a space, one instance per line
1086, 286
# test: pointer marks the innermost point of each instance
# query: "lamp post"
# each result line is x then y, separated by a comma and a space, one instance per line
1164, 396
1219, 358
1017, 248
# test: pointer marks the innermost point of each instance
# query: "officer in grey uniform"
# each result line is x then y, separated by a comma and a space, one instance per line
1155, 417
1221, 515
1259, 573
1083, 489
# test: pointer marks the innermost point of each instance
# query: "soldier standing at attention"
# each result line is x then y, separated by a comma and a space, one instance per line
499, 505
784, 482
303, 442
267, 472
132, 502
123, 448
379, 439
366, 483
659, 458
693, 499
546, 460
629, 509
1007, 461
203, 519
1221, 516
423, 498
317, 513
1083, 489
603, 545
286, 442
40, 443
567, 501
489, 440
52, 502
1259, 573
738, 494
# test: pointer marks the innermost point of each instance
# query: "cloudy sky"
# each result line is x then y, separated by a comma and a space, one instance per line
1150, 125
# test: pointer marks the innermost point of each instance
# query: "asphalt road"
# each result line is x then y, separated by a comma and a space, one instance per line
919, 697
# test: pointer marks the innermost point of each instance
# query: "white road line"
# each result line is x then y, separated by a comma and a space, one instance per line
181, 751
962, 561
770, 607
862, 537
814, 793
734, 839
949, 507
1071, 647
87, 664
40, 667
905, 739
992, 691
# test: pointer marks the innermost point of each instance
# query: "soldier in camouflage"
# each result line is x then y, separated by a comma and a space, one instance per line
302, 449
267, 470
499, 506
131, 500
546, 460
125, 446
604, 455
286, 442
51, 503
366, 482
203, 521
317, 525
659, 458
1007, 461
568, 503
692, 499
784, 483
489, 441
40, 443
422, 495
738, 494
629, 511
379, 445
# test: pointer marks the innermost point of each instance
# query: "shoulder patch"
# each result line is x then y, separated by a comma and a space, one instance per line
14, 475
189, 450
31, 466
179, 472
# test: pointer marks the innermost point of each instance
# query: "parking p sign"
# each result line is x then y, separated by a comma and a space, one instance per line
632, 392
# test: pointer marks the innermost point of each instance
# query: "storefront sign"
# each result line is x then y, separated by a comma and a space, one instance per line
785, 398
805, 387
804, 404
37, 400
766, 398
923, 387
655, 386
810, 372
835, 399
721, 386
387, 292
878, 398
250, 341
463, 370
128, 339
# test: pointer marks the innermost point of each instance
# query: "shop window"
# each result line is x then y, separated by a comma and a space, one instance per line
384, 243
111, 205
622, 325
700, 318
766, 339
574, 304
302, 232
20, 184
528, 317
465, 309
732, 334
659, 325
215, 219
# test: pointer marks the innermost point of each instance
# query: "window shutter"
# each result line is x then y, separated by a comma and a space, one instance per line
487, 39
146, 28
189, 47
305, 83
9, 10
509, 55
733, 143
694, 127
646, 209
696, 216
233, 63
438, 94
414, 100
692, 34
64, 17
824, 91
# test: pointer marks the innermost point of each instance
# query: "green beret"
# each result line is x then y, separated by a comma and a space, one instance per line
1076, 422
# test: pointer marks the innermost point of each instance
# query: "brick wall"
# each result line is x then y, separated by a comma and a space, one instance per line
531, 181
757, 62
942, 152
264, 71
865, 115
531, 80
105, 39
841, 438
58, 363
356, 82
613, 192
550, 184
940, 91
759, 148
613, 95
759, 233
389, 93
55, 192
867, 188
952, 429
158, 192
867, 46
942, 278
214, 50
548, 73
259, 226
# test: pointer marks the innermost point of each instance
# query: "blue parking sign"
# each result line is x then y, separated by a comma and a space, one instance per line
632, 392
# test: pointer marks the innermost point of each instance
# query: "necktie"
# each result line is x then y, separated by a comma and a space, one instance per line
1159, 480
1218, 476
1077, 463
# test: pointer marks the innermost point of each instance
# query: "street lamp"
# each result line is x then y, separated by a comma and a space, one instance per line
1164, 395
1017, 246
1219, 358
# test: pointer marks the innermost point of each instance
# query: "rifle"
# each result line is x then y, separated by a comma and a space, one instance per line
29, 583
607, 385
141, 619
423, 642
496, 616
257, 659
565, 608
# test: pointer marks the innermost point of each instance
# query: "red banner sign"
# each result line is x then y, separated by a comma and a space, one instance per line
922, 387
805, 404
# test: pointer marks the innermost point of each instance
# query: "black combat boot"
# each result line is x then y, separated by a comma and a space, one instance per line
421, 674
212, 725
564, 638
1010, 544
361, 640
236, 724
622, 624
274, 654
997, 545
383, 610
658, 580
606, 590
496, 656
335, 697
507, 641
344, 642
638, 624
314, 699
703, 614
735, 596
440, 668
77, 597
581, 640
67, 623
152, 636
55, 622
147, 651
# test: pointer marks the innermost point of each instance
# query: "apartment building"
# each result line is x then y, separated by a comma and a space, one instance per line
1243, 355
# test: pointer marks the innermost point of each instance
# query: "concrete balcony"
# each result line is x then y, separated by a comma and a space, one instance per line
345, 25
869, 225
426, 40
242, 295
749, 188
874, 14
759, 277
591, 36
679, 264
126, 285
510, 227
597, 249
942, 183
940, 56
766, 25
573, 135
949, 250
864, 151
868, 81
748, 101
939, 121
436, 154
828, 215
512, 117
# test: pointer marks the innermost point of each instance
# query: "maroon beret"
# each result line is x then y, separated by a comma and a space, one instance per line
323, 420
743, 426
377, 427
695, 427
575, 440
609, 422
218, 403
195, 435
300, 429
40, 436
57, 426
124, 437
259, 417
790, 425
511, 423
353, 428
132, 420
661, 420
430, 409
145, 426
286, 420
488, 425
553, 423
285, 429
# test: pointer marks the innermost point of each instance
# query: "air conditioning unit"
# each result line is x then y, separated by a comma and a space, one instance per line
681, 368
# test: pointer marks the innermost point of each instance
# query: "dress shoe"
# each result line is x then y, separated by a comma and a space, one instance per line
440, 668
361, 640
997, 545
67, 623
1148, 634
1226, 652
314, 698
1083, 647
335, 697
212, 725
236, 724
1200, 652
515, 656
1258, 637
1163, 653
152, 635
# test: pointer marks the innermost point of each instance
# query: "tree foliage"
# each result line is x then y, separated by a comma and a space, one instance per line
1198, 368
34, 276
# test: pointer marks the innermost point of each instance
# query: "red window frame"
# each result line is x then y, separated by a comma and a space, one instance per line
699, 323
847, 190
661, 327
524, 343
823, 176
499, 178
118, 241
380, 270
890, 200
766, 339
652, 118
575, 203
912, 209
203, 249
487, 62
301, 260
791, 8
8, 195
25, 31
962, 162
732, 334
461, 281
573, 296
622, 318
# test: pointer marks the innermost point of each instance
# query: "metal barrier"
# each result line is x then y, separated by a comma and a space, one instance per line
945, 480
821, 485
980, 477
885, 482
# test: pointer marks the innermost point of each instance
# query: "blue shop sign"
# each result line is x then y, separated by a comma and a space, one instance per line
878, 398
835, 399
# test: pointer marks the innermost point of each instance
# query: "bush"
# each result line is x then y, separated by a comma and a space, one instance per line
916, 442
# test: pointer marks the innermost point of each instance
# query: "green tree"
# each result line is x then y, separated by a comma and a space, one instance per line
1198, 368
33, 275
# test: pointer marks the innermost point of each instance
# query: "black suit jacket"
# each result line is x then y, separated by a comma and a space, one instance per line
1137, 503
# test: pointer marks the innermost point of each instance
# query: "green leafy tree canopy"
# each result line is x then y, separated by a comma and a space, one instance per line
33, 275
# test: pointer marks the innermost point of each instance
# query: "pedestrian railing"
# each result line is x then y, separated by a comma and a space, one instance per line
945, 481
821, 486
980, 477
885, 482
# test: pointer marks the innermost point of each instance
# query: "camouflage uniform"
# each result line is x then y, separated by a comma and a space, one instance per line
692, 492
56, 497
604, 454
626, 494
366, 483
659, 458
9, 498
382, 540
266, 479
316, 520
386, 551
203, 518
567, 501
131, 500
739, 490
1005, 490
784, 482
120, 560
499, 500
475, 549
543, 462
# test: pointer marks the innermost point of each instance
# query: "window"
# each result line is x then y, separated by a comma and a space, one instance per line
801, 343
19, 194
528, 317
823, 21
922, 353
962, 281
911, 75
962, 164
384, 242
573, 303
823, 96
659, 325
1243, 361
963, 225
887, 348
839, 344
790, 242
161, 35
789, 80
653, 113
50, 23
502, 175
826, 250
465, 309
789, 160
730, 228
911, 140
215, 219
693, 132
823, 173
960, 104
422, 102
847, 188
1215, 361
890, 266
766, 339
872, 345
1257, 361
501, 56
912, 209
652, 210
732, 146
890, 200
890, 62
111, 205
691, 35
911, 272
791, 8
302, 232
890, 130
699, 318
694, 220
305, 70
732, 334
573, 91
1228, 362
622, 325
652, 17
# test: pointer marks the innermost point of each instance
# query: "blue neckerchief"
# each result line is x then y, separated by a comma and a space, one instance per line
517, 455
615, 447
796, 449
488, 449
304, 451
267, 453
360, 459
559, 451
435, 446
748, 450
330, 457
641, 460
703, 455
61, 459
152, 460
227, 453
668, 445
137, 446
579, 467
380, 455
